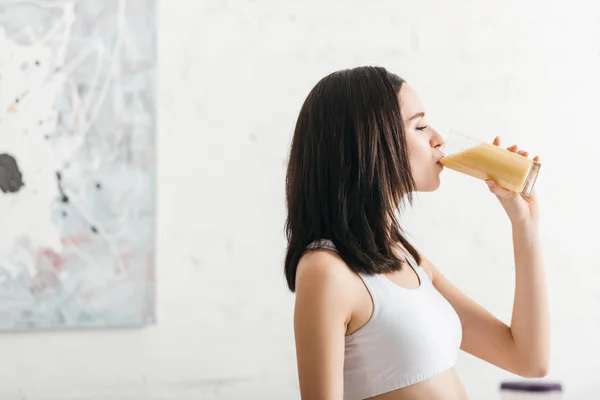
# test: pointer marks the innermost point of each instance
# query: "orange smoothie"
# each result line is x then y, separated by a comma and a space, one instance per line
487, 161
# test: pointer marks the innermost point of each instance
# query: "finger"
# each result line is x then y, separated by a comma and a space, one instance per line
536, 158
498, 190
496, 141
512, 148
523, 153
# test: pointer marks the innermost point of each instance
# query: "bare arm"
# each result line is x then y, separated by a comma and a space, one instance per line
530, 325
320, 318
522, 348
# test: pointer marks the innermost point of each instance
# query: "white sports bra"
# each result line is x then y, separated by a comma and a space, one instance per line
412, 335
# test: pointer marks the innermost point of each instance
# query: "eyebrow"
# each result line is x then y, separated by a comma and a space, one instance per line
417, 115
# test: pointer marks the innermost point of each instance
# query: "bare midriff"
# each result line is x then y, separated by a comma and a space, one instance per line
444, 386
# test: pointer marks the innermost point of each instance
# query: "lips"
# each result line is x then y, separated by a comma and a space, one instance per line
439, 161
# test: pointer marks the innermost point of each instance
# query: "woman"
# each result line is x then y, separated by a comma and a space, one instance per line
373, 316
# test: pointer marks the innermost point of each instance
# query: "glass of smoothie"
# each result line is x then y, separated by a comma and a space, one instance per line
483, 161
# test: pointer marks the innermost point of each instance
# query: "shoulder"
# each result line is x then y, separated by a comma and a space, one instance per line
324, 279
323, 268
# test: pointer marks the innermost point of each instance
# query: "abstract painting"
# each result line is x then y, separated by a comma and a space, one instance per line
77, 163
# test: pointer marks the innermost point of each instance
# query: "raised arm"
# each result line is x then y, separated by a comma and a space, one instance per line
523, 347
530, 326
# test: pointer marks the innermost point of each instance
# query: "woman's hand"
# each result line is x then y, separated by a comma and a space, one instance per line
519, 208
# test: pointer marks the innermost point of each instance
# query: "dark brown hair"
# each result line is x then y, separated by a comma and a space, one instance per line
348, 171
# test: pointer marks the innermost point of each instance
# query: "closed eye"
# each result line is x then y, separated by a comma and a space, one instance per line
421, 128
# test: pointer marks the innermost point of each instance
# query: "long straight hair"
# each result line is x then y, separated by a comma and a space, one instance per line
349, 171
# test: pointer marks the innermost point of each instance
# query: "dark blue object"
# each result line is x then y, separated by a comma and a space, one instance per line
526, 386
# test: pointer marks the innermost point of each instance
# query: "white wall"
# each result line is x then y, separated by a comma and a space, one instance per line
233, 75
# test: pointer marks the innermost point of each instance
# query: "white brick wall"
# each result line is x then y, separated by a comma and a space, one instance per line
233, 75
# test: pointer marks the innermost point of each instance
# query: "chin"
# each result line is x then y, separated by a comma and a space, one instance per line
431, 186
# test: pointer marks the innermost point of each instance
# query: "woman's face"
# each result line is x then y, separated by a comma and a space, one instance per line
423, 141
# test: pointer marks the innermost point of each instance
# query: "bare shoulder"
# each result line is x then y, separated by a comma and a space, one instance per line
324, 282
323, 269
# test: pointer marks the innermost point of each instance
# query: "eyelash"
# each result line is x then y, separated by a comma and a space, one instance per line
421, 128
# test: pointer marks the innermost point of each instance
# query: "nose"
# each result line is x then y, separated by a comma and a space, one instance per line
437, 140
